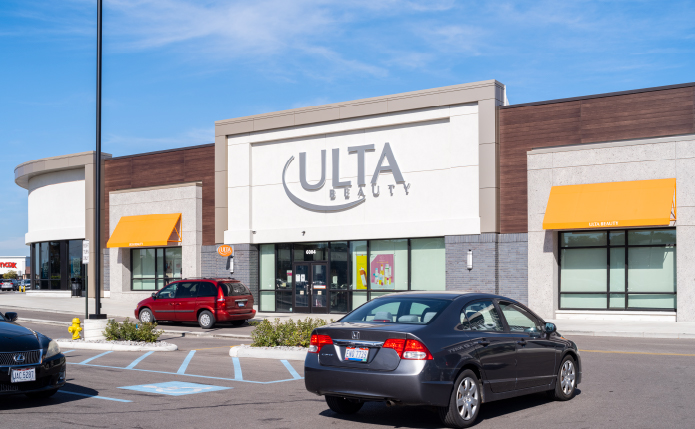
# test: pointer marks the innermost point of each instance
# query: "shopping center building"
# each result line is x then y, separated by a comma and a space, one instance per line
567, 205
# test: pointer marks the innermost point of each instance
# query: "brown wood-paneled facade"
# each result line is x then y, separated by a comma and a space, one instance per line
192, 164
652, 112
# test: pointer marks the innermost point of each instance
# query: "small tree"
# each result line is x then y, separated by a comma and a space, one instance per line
12, 274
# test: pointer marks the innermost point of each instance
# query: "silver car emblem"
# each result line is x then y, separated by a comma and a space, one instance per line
18, 358
355, 335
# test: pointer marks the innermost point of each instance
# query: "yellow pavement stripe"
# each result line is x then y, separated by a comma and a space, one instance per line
638, 353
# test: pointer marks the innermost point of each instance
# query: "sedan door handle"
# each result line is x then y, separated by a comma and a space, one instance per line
484, 342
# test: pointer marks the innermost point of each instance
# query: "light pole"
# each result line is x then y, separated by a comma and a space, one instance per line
97, 183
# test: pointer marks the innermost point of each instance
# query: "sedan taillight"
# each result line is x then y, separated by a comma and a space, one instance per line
318, 341
408, 349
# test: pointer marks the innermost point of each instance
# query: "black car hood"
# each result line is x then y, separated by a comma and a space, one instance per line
16, 338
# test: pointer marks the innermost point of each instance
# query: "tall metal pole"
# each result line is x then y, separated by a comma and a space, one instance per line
97, 183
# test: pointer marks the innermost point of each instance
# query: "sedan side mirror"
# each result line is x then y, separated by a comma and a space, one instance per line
550, 328
154, 295
11, 316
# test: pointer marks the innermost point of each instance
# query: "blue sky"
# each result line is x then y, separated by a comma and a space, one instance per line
173, 67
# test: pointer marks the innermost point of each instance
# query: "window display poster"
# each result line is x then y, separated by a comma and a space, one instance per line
382, 272
361, 271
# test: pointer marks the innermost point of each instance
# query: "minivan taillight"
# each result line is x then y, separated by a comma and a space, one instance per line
408, 349
318, 341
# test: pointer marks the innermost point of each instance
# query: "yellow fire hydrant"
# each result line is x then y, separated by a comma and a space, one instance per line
75, 329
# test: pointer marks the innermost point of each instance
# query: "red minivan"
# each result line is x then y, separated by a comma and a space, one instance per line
206, 301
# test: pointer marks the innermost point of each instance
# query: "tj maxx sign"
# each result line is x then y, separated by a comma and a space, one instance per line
387, 163
8, 265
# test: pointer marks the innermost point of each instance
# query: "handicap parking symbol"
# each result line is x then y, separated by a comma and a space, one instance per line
175, 388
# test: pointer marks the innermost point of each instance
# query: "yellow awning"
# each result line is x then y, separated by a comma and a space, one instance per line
146, 231
612, 205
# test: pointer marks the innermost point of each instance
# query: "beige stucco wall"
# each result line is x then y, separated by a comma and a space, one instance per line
186, 199
659, 158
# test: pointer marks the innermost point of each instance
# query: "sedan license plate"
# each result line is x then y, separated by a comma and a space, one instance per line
21, 375
356, 354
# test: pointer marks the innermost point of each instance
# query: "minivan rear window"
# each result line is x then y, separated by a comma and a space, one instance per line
418, 311
234, 289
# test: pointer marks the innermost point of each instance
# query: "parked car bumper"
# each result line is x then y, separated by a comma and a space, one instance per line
229, 316
50, 374
407, 384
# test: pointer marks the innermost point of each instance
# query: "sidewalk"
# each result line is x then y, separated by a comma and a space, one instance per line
598, 328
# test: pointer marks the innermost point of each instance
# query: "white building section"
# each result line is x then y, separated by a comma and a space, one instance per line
404, 174
18, 264
56, 206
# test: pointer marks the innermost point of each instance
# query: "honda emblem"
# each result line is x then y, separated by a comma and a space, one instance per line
355, 335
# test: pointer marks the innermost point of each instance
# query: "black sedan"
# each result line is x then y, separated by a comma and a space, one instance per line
30, 363
451, 350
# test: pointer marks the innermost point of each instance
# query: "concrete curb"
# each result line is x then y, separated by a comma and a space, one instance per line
115, 347
182, 333
206, 335
263, 353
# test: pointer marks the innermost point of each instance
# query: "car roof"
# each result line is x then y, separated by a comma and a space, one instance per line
214, 279
443, 294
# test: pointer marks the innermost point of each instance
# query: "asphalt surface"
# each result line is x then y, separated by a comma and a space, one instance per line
628, 383
220, 327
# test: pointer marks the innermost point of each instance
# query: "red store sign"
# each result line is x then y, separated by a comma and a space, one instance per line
8, 265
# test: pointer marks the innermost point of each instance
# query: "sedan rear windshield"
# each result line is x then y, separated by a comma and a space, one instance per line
418, 311
234, 289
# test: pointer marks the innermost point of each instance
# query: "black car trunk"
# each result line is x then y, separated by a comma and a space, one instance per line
361, 338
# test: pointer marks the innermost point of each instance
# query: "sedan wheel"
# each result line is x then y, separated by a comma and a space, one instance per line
565, 387
467, 398
464, 404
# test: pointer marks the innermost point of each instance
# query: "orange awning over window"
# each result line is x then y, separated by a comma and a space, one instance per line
146, 231
611, 205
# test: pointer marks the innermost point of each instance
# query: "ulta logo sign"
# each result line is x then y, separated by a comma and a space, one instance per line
387, 164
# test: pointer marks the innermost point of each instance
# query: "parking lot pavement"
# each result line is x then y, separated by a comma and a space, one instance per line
220, 328
628, 383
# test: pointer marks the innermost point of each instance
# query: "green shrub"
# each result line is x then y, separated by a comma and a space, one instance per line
289, 333
130, 331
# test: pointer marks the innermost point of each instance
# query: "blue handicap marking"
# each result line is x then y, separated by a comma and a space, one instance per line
175, 388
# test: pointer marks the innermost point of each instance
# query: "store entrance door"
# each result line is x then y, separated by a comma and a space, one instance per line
310, 287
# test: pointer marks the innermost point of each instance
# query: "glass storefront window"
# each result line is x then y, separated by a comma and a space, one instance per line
283, 267
355, 272
154, 268
583, 239
267, 256
308, 252
583, 270
55, 263
360, 268
339, 266
631, 270
358, 298
427, 264
388, 264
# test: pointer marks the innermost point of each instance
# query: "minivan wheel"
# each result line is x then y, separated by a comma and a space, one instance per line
465, 401
565, 386
146, 316
343, 405
206, 320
